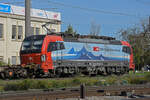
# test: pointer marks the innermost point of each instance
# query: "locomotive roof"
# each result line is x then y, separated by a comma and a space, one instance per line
35, 37
80, 38
90, 39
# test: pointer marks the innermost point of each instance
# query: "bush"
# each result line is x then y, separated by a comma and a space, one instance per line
41, 85
111, 80
147, 77
25, 84
2, 63
137, 80
55, 84
76, 81
11, 87
1, 88
66, 83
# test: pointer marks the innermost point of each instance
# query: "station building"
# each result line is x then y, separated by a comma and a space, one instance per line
12, 29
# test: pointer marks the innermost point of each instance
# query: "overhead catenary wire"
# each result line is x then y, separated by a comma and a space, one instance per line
143, 2
93, 10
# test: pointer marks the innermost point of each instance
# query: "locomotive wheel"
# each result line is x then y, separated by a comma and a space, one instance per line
31, 73
23, 73
108, 70
51, 75
32, 76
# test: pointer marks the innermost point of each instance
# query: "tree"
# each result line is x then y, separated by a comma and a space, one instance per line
139, 38
70, 30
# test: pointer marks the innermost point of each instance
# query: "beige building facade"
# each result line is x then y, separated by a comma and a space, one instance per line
12, 33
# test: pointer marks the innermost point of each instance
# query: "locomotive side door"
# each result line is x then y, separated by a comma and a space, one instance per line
55, 50
59, 52
50, 49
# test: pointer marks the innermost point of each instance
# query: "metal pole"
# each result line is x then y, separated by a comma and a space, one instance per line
27, 18
149, 25
82, 91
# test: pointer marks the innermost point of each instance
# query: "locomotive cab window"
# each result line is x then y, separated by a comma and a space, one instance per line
26, 45
126, 49
54, 46
37, 44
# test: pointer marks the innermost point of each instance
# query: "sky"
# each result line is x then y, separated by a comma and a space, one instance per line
111, 15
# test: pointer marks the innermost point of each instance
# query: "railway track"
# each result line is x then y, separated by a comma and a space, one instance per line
56, 94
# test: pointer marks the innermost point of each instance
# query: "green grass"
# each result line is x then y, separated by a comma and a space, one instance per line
138, 73
131, 78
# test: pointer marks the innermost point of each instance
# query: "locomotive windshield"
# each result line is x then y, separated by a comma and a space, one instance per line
32, 45
37, 44
26, 45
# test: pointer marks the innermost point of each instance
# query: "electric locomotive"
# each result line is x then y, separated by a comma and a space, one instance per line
60, 54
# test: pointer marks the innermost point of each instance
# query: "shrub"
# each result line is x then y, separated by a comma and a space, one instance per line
76, 81
55, 84
11, 87
26, 84
42, 85
1, 88
66, 83
2, 63
111, 80
137, 80
147, 77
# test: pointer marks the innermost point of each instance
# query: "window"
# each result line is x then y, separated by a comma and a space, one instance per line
126, 49
17, 32
34, 45
20, 32
26, 45
37, 44
1, 58
14, 31
37, 30
32, 31
1, 30
13, 60
54, 46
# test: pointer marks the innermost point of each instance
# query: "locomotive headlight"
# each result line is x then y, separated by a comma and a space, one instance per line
43, 58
